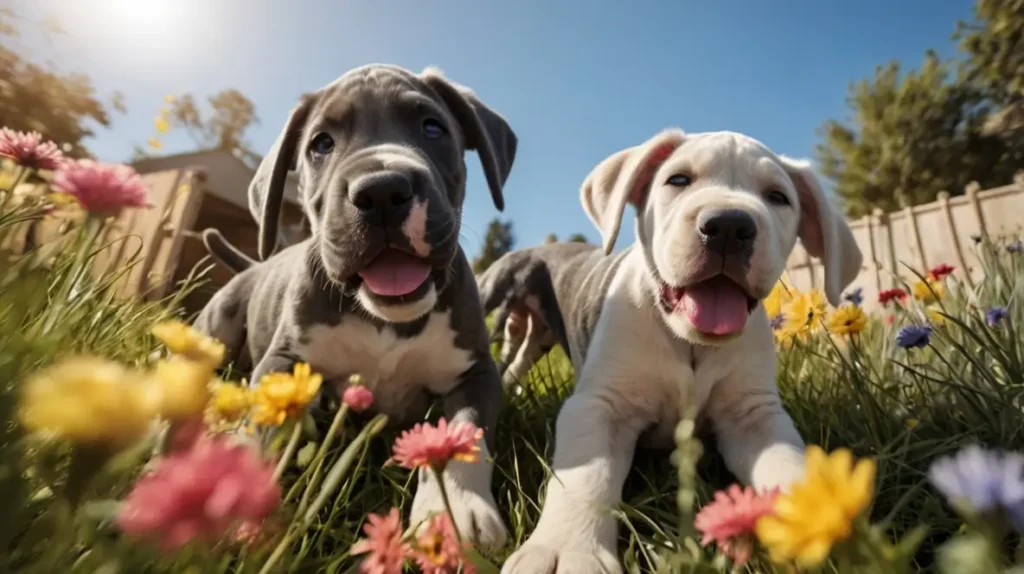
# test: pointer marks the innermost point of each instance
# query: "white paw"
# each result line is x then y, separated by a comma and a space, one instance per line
473, 507
539, 558
779, 465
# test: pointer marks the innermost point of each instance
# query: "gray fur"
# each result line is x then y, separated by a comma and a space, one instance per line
276, 310
567, 279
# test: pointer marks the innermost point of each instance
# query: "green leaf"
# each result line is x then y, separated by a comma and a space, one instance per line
305, 455
483, 565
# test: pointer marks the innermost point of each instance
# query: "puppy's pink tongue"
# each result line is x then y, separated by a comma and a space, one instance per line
394, 273
716, 306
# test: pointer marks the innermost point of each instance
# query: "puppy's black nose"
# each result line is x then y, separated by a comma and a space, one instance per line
382, 197
727, 231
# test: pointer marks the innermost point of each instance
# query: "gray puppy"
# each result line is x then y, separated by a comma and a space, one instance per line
382, 288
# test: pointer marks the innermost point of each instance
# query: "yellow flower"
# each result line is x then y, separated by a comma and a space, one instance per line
230, 402
155, 143
188, 342
775, 301
182, 387
927, 291
819, 511
88, 400
804, 312
281, 396
847, 320
161, 123
169, 98
911, 423
935, 317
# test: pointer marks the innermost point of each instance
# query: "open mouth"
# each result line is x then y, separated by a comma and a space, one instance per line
715, 306
395, 273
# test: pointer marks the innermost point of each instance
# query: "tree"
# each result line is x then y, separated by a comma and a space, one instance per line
63, 107
551, 238
911, 136
498, 241
577, 238
994, 45
232, 113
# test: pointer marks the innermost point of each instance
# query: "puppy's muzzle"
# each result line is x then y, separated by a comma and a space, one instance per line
383, 198
729, 233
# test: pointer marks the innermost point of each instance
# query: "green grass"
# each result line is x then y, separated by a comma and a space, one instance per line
902, 408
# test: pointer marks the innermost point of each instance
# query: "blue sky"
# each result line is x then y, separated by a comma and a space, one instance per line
576, 80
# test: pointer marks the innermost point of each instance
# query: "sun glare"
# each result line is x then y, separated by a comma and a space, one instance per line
152, 14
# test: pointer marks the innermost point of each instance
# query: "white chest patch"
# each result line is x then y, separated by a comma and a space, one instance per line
397, 369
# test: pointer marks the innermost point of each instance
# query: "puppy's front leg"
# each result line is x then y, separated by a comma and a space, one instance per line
756, 436
475, 400
577, 532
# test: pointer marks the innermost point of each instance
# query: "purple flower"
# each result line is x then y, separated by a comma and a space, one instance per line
1016, 246
856, 296
986, 480
995, 316
913, 336
777, 321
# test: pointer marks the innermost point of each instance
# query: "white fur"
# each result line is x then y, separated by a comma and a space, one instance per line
643, 361
396, 369
401, 313
469, 490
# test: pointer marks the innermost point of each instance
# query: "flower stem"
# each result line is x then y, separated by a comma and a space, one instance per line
318, 460
78, 270
289, 451
331, 483
439, 476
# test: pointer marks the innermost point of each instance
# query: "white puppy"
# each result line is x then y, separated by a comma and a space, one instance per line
675, 315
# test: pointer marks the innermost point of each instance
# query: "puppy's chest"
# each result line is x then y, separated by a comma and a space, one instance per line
397, 368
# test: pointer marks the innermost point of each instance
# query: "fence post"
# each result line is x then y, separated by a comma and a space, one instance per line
915, 238
870, 221
890, 245
971, 190
947, 212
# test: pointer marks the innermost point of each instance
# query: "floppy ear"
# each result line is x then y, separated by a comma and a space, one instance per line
622, 178
824, 231
266, 191
484, 129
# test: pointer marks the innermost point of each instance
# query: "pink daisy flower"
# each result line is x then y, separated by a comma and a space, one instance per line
29, 150
358, 398
383, 543
201, 493
427, 446
101, 189
437, 549
729, 520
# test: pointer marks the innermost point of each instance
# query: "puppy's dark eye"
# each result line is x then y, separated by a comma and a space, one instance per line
679, 180
433, 129
322, 144
776, 197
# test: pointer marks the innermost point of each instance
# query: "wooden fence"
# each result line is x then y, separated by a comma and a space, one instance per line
150, 239
922, 237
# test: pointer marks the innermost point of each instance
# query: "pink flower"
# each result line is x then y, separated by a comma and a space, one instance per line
358, 398
101, 189
383, 543
29, 149
201, 493
429, 446
729, 520
437, 549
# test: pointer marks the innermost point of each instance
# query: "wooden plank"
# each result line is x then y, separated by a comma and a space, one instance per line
182, 217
